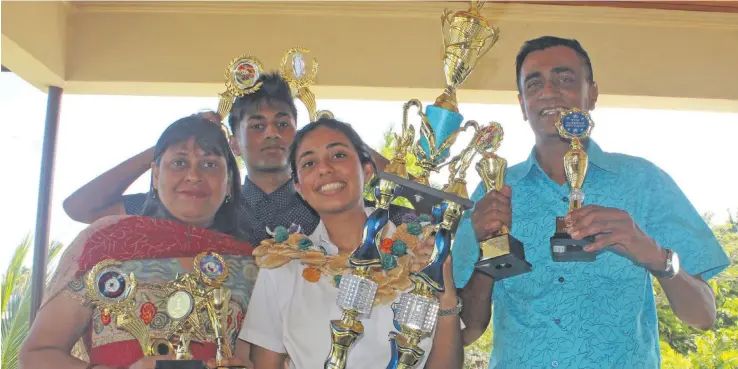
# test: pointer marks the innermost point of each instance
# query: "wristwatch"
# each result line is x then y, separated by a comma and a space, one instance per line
456, 310
672, 266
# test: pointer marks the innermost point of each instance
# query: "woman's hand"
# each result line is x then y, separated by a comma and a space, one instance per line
234, 361
149, 362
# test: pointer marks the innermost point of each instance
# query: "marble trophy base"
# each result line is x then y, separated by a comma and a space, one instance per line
566, 249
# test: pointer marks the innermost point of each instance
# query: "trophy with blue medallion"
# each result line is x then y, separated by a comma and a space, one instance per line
114, 294
573, 125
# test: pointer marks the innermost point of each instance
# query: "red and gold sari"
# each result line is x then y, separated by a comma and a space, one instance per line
155, 251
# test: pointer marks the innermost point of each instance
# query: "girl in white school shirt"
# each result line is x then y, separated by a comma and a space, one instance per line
292, 305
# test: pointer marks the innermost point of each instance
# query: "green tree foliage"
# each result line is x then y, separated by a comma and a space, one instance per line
682, 347
16, 300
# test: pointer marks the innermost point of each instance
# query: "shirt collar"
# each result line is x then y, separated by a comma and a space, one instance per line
595, 155
320, 235
253, 192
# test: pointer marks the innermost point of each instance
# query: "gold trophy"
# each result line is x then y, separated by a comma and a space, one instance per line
241, 78
467, 37
357, 289
502, 255
300, 80
574, 125
202, 290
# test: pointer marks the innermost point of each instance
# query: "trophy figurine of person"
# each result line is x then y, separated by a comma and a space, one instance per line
502, 255
574, 125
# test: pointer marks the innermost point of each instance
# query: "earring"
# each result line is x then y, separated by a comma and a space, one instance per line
227, 198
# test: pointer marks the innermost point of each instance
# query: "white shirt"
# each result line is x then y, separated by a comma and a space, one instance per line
288, 314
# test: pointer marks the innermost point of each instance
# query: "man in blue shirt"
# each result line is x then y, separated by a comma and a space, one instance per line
597, 314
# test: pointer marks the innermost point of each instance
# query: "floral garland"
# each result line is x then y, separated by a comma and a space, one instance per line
396, 253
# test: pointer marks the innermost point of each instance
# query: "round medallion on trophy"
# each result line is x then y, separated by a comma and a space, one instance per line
180, 304
489, 138
107, 282
242, 75
211, 267
574, 123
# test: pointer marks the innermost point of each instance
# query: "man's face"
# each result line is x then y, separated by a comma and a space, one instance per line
264, 136
552, 80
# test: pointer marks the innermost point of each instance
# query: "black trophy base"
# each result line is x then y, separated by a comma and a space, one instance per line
566, 249
180, 364
509, 264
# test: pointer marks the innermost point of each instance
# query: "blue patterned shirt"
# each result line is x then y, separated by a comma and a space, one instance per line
587, 315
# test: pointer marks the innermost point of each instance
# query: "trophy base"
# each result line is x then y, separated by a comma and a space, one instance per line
180, 364
566, 249
423, 197
509, 261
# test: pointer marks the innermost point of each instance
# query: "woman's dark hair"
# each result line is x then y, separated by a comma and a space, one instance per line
361, 147
210, 138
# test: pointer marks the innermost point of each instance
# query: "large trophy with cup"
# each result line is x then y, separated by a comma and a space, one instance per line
467, 37
194, 301
573, 125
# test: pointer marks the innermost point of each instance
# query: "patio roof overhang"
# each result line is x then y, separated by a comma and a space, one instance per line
642, 56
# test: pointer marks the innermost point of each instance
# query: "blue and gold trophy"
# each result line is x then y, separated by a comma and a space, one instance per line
573, 125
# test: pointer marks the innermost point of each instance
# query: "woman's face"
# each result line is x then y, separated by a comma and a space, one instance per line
191, 183
330, 176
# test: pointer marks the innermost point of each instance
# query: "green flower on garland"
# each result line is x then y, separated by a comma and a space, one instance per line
389, 262
281, 234
425, 218
337, 279
305, 244
414, 228
399, 248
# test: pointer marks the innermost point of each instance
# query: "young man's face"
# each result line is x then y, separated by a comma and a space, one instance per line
551, 80
264, 135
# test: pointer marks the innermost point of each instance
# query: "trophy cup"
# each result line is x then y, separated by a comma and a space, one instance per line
300, 81
241, 78
502, 256
467, 37
573, 125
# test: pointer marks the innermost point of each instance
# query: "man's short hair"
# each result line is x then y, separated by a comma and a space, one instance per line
546, 42
274, 89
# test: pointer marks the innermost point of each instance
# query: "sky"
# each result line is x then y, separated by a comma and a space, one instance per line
96, 132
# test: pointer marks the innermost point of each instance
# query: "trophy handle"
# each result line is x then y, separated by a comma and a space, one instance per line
445, 24
490, 41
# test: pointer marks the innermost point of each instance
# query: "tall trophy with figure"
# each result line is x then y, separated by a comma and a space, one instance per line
502, 255
573, 125
467, 36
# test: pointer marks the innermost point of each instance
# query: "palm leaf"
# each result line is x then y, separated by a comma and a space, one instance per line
14, 275
17, 306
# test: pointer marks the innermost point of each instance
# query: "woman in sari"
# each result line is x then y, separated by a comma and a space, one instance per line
294, 299
188, 236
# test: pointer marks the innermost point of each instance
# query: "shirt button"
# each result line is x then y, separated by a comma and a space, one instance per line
554, 363
565, 199
561, 279
557, 321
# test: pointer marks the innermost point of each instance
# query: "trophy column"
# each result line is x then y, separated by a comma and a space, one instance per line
502, 255
573, 125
